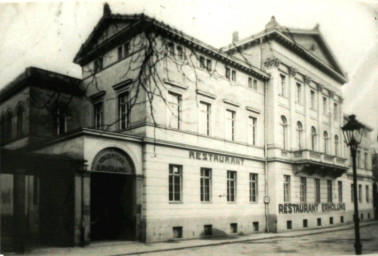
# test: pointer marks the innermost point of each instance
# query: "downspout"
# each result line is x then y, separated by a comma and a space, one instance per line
266, 198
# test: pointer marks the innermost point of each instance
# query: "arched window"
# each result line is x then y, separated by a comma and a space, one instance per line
325, 135
20, 114
284, 131
8, 132
299, 134
337, 145
313, 138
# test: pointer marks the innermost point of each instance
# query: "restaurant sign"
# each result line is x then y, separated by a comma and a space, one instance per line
310, 208
214, 157
111, 160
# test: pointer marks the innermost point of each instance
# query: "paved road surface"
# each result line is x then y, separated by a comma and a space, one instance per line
330, 243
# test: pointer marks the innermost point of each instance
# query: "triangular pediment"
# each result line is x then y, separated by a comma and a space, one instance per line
314, 44
106, 29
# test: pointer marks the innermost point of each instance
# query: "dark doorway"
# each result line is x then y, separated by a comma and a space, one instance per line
112, 200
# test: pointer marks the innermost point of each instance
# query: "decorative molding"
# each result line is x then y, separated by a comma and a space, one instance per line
233, 103
331, 94
341, 99
206, 94
307, 79
257, 111
272, 62
183, 87
293, 71
122, 85
97, 96
319, 87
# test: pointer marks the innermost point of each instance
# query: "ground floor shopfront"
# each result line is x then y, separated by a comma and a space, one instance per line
92, 186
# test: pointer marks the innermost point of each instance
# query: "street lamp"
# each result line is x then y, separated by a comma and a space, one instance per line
353, 131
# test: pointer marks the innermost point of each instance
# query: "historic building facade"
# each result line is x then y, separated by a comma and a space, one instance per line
166, 137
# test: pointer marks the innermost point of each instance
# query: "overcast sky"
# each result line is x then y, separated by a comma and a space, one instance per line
49, 34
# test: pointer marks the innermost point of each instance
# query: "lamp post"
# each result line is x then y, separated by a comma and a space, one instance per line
353, 131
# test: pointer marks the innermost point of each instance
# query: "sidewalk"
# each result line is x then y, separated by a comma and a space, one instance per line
134, 248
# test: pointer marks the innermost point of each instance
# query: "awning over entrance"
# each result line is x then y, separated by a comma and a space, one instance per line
321, 169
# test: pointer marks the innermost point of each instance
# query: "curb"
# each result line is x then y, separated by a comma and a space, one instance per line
246, 240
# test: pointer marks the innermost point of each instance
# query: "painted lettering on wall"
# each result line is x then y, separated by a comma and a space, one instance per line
111, 161
310, 208
214, 157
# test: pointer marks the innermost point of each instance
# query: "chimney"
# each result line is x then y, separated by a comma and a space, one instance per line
235, 36
107, 11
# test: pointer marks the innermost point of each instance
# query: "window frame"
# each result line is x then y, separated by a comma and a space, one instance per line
124, 119
287, 188
205, 197
253, 187
19, 120
317, 190
231, 136
98, 125
329, 191
284, 131
299, 93
282, 91
314, 138
252, 130
208, 117
60, 117
178, 107
231, 186
303, 190
340, 190
172, 185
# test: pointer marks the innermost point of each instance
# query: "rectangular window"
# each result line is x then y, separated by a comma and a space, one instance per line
98, 115
177, 232
250, 82
208, 230
324, 106
255, 226
180, 52
286, 188
313, 99
60, 121
230, 125
335, 111
358, 159
331, 220
317, 191
252, 122
289, 224
171, 49
205, 185
367, 193
340, 189
204, 118
233, 75
98, 64
303, 190
255, 84
231, 186
366, 160
253, 187
299, 93
202, 62
174, 108
305, 223
208, 65
341, 219
123, 51
228, 71
175, 183
319, 221
329, 191
360, 193
352, 192
283, 86
234, 228
124, 110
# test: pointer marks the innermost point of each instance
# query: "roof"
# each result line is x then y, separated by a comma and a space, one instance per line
139, 22
37, 77
287, 37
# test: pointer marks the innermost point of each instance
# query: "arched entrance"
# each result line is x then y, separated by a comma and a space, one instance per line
113, 196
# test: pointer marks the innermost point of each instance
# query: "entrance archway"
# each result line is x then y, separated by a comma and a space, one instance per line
113, 196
